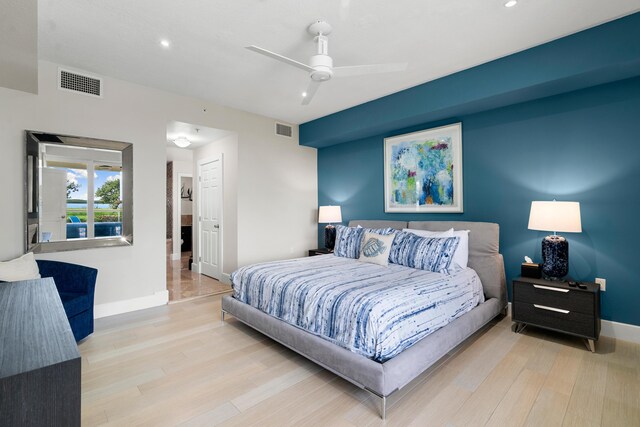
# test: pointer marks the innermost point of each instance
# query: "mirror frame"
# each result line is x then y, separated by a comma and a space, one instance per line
32, 193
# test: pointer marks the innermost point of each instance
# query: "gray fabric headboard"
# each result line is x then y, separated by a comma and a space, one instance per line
484, 245
398, 225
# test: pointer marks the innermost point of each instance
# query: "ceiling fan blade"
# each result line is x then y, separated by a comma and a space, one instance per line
359, 70
280, 58
311, 91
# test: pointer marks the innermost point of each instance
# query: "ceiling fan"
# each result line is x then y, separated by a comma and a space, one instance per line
321, 67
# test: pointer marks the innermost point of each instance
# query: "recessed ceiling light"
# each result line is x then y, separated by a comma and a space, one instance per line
164, 43
304, 94
511, 3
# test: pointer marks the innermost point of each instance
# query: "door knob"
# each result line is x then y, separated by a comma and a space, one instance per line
216, 226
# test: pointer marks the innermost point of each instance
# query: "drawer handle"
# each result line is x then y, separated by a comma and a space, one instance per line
550, 288
557, 310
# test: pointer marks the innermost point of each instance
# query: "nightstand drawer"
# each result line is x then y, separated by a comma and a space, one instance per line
553, 317
548, 295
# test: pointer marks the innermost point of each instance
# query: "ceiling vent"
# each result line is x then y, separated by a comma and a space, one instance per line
76, 82
284, 130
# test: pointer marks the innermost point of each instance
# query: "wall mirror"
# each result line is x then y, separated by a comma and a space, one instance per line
78, 193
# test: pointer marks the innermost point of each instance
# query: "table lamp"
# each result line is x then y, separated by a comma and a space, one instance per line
328, 215
555, 216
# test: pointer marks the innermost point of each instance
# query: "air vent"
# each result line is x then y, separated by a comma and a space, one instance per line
284, 130
79, 83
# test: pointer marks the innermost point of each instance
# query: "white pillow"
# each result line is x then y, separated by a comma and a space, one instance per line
461, 255
428, 233
376, 247
23, 268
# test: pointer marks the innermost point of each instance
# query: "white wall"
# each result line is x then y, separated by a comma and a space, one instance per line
277, 179
19, 45
283, 199
177, 154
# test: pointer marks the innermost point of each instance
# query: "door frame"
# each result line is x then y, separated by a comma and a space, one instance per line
177, 225
198, 183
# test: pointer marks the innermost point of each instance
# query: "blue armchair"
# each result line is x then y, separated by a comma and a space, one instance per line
76, 285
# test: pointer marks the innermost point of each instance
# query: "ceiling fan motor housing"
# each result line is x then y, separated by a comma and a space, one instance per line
322, 68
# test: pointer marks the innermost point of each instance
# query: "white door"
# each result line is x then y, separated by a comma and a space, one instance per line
210, 208
53, 216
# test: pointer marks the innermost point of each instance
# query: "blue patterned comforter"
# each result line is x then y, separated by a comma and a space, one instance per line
369, 309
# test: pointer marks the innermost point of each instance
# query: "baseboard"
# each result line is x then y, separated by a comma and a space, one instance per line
608, 328
225, 278
134, 304
622, 331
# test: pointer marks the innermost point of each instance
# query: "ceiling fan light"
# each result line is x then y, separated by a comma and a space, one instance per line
304, 94
182, 142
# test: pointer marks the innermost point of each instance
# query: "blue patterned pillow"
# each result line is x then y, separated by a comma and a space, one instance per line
424, 253
349, 239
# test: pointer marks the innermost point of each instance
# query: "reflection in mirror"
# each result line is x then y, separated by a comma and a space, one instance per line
82, 190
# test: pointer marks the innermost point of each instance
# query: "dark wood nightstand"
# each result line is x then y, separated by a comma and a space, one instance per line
320, 251
557, 306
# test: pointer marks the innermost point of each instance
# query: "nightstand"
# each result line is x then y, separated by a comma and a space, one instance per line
320, 251
557, 306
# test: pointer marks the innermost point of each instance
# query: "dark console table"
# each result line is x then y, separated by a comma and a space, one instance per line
39, 358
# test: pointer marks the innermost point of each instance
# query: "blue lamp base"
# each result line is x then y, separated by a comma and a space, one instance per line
555, 257
329, 237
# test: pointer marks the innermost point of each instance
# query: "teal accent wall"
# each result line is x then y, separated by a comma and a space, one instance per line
581, 146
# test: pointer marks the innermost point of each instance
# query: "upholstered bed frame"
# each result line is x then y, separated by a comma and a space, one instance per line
383, 379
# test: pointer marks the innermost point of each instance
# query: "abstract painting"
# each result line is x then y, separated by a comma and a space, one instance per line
423, 171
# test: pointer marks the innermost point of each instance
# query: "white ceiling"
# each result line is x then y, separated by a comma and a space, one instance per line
207, 59
197, 135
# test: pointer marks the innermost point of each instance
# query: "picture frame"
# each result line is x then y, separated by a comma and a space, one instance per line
423, 171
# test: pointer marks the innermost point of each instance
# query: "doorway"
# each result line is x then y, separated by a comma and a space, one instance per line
194, 212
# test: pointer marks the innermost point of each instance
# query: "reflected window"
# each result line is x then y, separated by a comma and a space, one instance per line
80, 194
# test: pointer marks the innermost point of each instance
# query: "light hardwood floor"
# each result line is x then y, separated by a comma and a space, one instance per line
181, 365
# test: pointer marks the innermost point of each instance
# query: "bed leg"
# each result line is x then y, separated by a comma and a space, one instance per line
223, 312
383, 409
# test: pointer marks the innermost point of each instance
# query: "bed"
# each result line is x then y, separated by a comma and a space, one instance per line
384, 372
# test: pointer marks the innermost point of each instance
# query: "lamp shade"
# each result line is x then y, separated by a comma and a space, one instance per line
329, 214
555, 216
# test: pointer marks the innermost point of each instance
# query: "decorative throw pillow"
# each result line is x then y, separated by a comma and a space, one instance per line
376, 248
461, 256
346, 239
424, 253
349, 239
23, 268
